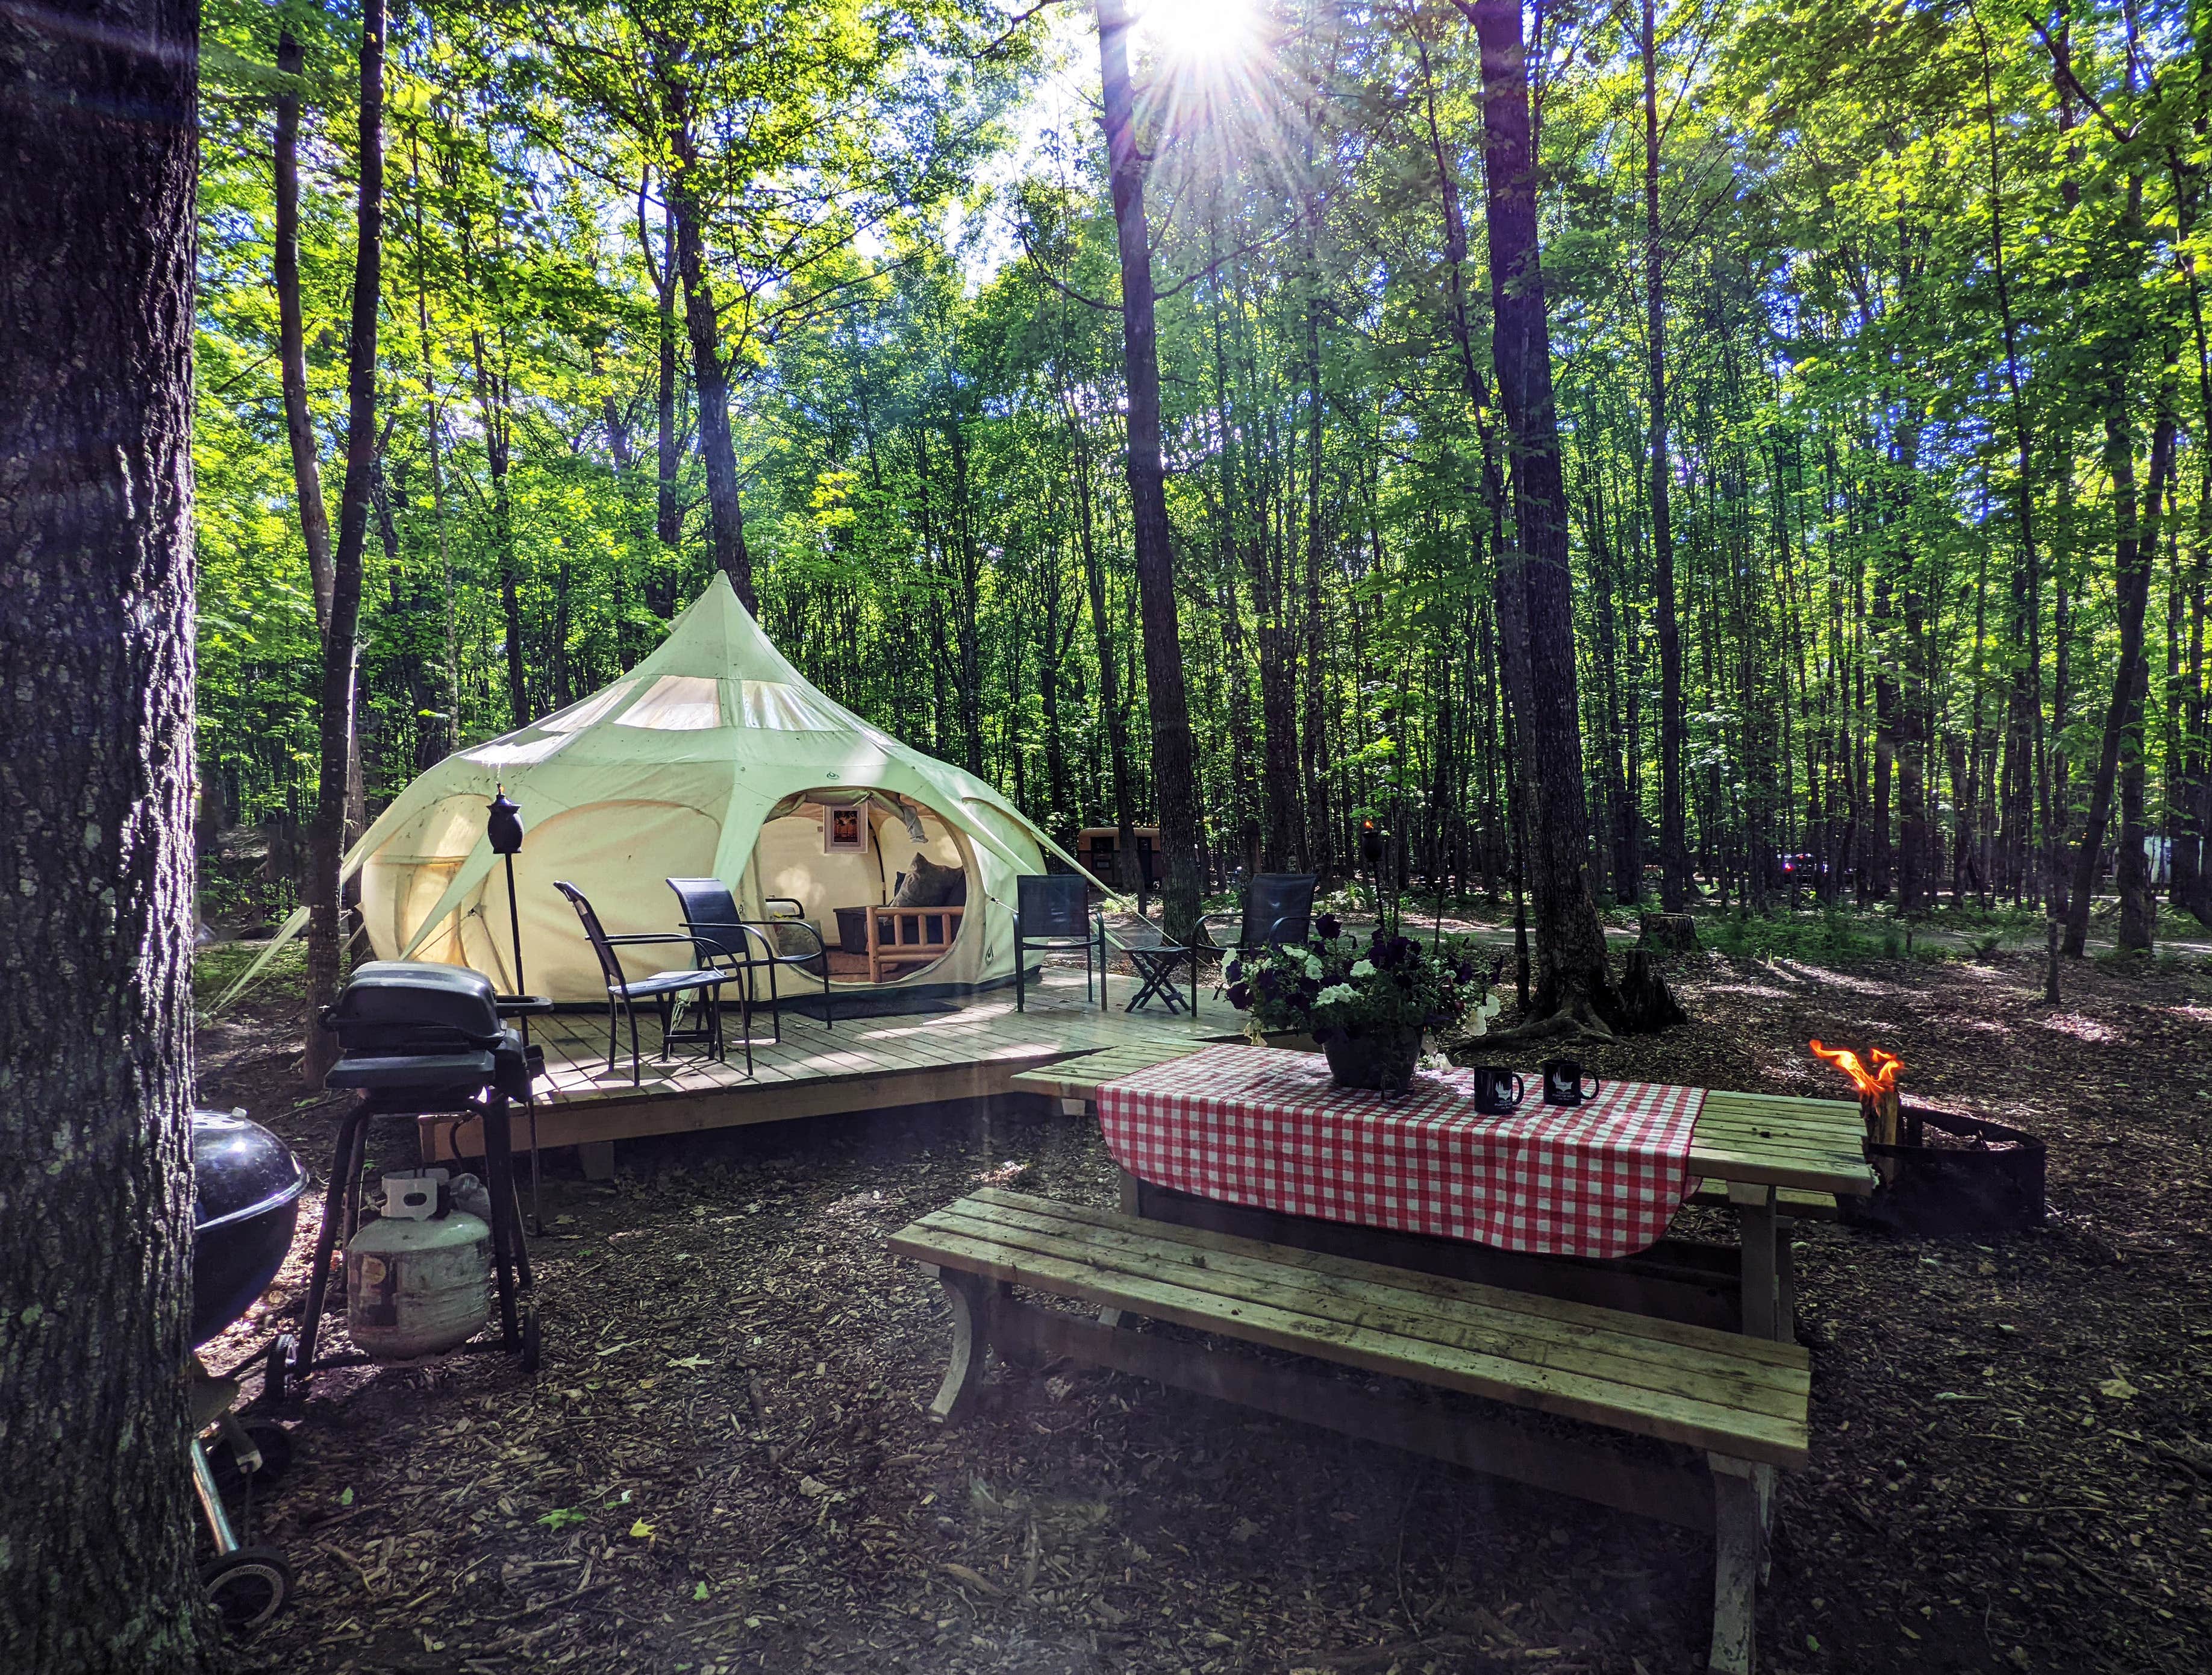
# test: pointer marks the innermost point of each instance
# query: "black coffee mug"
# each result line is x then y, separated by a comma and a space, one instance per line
1563, 1083
1492, 1096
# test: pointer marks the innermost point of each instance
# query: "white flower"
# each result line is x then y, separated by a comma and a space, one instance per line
1363, 968
1335, 992
1313, 966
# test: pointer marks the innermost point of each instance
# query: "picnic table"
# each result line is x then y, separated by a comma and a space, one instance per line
1346, 1229
1392, 1276
1767, 1159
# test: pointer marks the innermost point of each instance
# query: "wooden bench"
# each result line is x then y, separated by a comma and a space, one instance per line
901, 936
1734, 1408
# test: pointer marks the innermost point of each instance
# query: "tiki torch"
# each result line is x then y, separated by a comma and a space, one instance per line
503, 832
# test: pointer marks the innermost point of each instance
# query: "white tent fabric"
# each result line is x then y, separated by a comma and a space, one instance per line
696, 763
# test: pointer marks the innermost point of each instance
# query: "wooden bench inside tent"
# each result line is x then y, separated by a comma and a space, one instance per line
900, 936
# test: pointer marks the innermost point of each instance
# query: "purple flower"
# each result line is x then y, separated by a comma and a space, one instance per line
1240, 997
1328, 927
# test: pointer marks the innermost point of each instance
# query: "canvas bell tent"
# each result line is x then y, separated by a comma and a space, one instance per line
712, 757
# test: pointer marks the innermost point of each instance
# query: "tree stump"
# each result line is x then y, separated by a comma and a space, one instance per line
1648, 1003
1668, 932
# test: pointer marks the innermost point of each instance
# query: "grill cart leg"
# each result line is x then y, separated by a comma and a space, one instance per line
506, 1259
337, 1194
210, 1499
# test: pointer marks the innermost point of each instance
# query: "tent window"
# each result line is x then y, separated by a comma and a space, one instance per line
783, 708
678, 703
578, 716
509, 755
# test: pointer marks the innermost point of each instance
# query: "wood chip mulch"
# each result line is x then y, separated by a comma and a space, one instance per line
725, 1466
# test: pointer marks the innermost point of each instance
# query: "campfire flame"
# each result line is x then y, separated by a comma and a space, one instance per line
1871, 1083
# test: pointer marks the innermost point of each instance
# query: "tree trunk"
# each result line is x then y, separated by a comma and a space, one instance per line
667, 513
98, 156
491, 403
2124, 716
1909, 729
341, 646
1673, 840
291, 331
2131, 872
968, 563
710, 378
1174, 748
2191, 888
1572, 974
1126, 876
1876, 872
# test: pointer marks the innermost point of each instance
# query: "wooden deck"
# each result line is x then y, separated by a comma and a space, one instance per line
972, 1051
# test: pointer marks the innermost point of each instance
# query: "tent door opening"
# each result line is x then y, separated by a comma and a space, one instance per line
881, 878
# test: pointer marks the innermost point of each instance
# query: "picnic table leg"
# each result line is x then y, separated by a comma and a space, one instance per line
1785, 1280
1132, 1204
1739, 1559
1756, 1222
971, 1332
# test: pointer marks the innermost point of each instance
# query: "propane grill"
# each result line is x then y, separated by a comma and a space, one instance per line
422, 1040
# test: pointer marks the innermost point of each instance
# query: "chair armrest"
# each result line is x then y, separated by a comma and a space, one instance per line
798, 907
648, 936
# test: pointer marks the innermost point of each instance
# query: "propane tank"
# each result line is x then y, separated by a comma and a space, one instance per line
418, 1279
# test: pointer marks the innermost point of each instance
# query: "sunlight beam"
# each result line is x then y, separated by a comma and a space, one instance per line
1196, 31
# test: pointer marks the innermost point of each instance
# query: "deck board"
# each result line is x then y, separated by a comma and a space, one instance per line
982, 1049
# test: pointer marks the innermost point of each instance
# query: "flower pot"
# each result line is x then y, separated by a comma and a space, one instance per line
1380, 1059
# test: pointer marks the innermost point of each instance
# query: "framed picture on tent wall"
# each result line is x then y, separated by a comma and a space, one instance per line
844, 832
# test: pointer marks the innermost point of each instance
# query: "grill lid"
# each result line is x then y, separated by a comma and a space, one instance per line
399, 1007
239, 1169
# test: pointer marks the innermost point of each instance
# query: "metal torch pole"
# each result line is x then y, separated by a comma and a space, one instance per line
530, 1102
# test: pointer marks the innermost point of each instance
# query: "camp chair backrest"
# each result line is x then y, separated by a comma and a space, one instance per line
1278, 909
708, 907
610, 968
1052, 905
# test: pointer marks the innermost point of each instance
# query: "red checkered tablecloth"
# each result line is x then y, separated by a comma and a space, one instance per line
1261, 1126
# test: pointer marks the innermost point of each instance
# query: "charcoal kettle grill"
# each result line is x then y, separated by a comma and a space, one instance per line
245, 1202
422, 1040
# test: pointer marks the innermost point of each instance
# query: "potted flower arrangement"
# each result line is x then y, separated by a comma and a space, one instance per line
1369, 1003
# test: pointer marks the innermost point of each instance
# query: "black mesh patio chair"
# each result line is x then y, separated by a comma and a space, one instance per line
663, 988
749, 948
1052, 912
1278, 911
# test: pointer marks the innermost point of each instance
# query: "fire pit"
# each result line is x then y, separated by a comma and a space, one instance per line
1940, 1172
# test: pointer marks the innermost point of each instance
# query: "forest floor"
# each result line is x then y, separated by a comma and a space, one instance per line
723, 1465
